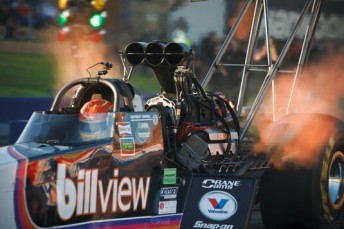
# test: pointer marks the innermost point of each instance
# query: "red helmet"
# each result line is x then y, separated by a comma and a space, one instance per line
94, 119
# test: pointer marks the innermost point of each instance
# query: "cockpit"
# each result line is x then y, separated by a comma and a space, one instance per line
64, 124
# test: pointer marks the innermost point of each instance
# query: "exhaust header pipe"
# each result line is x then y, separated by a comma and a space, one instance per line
135, 53
162, 58
155, 53
176, 53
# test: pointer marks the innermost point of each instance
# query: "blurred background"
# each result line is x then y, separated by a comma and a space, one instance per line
47, 43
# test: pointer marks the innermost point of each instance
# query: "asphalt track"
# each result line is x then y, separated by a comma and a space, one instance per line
255, 219
257, 223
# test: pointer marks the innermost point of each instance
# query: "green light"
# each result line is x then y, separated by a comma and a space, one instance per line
96, 20
63, 17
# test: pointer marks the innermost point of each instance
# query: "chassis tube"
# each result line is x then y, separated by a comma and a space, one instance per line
58, 97
225, 45
273, 70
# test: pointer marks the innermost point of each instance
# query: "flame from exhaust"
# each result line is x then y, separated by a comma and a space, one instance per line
73, 61
302, 140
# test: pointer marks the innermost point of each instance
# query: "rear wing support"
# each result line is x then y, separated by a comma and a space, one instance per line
260, 16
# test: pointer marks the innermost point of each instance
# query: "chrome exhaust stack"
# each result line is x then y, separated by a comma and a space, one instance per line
154, 53
154, 56
135, 53
176, 53
163, 58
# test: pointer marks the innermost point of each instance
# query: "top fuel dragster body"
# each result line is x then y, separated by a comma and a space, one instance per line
179, 160
134, 169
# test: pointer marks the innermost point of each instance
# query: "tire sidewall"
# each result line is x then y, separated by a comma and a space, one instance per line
298, 196
322, 206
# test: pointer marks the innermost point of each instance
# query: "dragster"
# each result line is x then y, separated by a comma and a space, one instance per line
101, 157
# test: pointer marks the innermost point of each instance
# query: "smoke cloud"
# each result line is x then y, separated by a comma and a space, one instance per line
73, 60
301, 139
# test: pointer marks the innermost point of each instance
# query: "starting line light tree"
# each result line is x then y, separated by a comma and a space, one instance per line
82, 13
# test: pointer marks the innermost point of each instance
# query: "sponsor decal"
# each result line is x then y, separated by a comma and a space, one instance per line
145, 117
124, 129
143, 131
200, 224
218, 205
167, 207
88, 194
169, 192
127, 146
155, 120
140, 117
220, 184
170, 176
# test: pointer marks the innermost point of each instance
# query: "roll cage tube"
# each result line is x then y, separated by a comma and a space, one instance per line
84, 81
311, 8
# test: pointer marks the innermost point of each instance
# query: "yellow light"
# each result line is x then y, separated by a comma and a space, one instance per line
98, 4
63, 4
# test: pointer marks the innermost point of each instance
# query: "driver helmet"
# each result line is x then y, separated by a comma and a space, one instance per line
94, 120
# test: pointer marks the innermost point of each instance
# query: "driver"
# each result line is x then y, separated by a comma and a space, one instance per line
94, 120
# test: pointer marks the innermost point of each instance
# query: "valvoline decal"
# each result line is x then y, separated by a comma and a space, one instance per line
218, 205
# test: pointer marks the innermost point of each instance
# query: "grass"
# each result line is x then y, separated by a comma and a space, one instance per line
145, 84
35, 75
27, 74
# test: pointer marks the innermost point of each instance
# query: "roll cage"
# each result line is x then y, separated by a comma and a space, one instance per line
260, 17
114, 90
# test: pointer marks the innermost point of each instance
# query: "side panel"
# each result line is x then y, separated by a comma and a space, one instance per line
8, 171
113, 186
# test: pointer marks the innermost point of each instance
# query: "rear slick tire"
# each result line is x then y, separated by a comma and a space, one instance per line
300, 197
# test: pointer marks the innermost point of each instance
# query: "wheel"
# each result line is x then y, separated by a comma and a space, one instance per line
300, 196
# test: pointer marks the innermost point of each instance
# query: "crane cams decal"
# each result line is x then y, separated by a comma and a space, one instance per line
220, 184
218, 205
